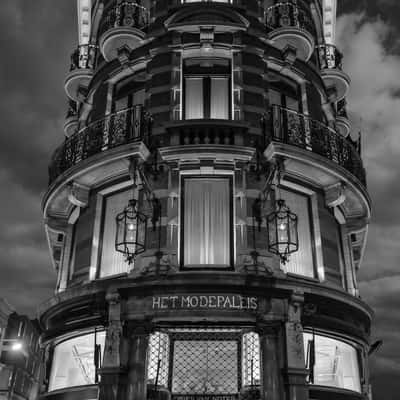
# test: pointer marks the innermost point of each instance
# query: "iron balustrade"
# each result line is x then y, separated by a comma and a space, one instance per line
84, 57
123, 127
126, 14
329, 57
295, 129
292, 14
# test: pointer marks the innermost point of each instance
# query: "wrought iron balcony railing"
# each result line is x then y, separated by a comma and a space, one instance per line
123, 127
329, 57
289, 14
84, 57
126, 14
292, 128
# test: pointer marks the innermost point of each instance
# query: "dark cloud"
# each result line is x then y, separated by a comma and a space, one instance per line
371, 60
36, 40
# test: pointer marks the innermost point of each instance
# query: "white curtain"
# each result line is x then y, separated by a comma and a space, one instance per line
300, 262
194, 102
219, 98
206, 221
112, 262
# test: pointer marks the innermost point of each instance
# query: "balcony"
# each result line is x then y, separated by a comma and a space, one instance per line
81, 72
291, 128
198, 138
124, 127
122, 28
71, 119
330, 61
291, 24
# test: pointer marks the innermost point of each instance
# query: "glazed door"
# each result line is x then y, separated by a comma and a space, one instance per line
205, 366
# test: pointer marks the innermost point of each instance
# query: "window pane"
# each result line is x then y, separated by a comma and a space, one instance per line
336, 363
138, 97
292, 104
300, 262
275, 97
251, 359
112, 262
158, 359
73, 362
121, 104
206, 221
194, 107
219, 98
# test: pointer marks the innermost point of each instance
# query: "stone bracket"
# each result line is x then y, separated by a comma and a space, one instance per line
335, 194
78, 195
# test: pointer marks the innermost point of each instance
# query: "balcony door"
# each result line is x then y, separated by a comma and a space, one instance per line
207, 89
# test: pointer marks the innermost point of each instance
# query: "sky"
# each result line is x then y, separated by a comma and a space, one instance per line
36, 39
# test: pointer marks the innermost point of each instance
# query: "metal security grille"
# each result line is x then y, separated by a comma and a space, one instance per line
158, 359
206, 362
251, 359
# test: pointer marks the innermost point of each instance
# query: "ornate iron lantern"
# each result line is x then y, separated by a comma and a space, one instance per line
130, 238
282, 231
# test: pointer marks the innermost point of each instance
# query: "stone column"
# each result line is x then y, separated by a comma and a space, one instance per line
297, 387
137, 364
271, 364
113, 375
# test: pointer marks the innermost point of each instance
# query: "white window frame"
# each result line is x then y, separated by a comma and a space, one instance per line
314, 228
95, 264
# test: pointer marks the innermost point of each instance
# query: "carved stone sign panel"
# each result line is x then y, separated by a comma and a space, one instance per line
205, 301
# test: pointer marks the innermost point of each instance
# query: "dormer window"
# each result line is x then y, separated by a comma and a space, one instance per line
207, 88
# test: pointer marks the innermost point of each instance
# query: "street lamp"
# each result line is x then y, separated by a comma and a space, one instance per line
14, 345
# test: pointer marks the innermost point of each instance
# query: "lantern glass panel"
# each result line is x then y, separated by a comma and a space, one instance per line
282, 231
131, 231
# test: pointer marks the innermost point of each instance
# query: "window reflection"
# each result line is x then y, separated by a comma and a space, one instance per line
73, 361
336, 363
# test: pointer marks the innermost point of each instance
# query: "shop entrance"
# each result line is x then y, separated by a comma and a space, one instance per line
205, 365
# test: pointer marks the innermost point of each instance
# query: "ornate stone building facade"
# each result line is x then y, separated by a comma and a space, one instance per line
207, 211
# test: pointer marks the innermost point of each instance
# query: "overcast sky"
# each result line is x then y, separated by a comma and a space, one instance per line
36, 38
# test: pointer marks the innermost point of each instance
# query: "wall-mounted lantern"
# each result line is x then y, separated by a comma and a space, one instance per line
130, 238
283, 238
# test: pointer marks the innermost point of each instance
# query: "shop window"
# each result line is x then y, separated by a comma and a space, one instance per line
207, 222
301, 262
336, 362
207, 89
111, 261
73, 361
